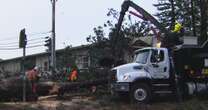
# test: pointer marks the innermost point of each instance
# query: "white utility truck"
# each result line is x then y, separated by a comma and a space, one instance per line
158, 71
167, 70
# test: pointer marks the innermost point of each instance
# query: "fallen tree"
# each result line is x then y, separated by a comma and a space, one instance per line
11, 89
60, 88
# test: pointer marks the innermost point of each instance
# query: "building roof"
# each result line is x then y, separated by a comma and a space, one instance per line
44, 53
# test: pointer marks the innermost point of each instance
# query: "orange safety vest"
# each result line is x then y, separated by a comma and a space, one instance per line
32, 75
73, 75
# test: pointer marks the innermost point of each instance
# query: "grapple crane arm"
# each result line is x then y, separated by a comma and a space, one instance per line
125, 6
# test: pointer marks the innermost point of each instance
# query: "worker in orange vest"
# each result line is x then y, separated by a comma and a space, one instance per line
33, 76
74, 74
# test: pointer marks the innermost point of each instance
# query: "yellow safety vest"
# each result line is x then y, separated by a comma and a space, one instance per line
177, 27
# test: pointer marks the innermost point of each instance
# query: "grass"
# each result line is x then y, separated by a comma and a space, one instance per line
107, 102
195, 104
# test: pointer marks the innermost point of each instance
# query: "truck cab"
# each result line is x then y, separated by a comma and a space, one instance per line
151, 66
162, 71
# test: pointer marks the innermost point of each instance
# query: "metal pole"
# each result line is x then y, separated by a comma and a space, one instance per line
193, 18
24, 75
53, 50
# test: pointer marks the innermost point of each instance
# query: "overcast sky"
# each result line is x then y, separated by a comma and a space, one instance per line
75, 20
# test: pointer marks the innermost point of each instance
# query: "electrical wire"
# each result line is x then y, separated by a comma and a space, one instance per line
33, 46
28, 44
30, 40
36, 39
38, 33
9, 48
30, 34
37, 42
16, 43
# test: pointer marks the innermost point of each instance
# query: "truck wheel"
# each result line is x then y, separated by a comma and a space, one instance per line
140, 93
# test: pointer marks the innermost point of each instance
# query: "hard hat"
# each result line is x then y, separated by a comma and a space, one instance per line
36, 67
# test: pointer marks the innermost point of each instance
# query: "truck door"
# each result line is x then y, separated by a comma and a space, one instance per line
159, 64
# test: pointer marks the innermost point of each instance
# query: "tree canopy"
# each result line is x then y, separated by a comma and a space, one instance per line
192, 14
112, 46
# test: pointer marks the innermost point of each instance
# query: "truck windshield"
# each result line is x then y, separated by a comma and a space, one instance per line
141, 56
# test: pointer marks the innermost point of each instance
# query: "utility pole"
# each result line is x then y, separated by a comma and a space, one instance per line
24, 75
53, 50
22, 44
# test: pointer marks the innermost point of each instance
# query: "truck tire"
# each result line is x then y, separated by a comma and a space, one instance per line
140, 93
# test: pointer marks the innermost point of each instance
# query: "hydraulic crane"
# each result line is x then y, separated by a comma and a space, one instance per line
169, 39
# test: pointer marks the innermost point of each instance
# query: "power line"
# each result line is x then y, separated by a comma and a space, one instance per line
33, 46
30, 34
27, 40
38, 33
9, 48
16, 45
38, 42
3, 46
36, 39
9, 43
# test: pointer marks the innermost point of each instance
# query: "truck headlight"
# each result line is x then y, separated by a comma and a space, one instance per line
126, 77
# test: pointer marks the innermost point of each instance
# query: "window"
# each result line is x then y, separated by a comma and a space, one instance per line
85, 62
157, 56
142, 56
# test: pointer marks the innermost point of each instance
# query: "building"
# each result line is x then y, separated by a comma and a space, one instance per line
79, 54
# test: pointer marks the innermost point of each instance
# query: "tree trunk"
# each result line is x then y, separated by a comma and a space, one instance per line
193, 18
172, 14
203, 30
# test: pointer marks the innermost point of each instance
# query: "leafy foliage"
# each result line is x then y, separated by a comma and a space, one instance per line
115, 47
191, 13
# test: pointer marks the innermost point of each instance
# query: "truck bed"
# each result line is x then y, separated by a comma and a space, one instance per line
191, 63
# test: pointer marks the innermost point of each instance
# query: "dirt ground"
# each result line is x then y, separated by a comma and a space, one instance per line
102, 103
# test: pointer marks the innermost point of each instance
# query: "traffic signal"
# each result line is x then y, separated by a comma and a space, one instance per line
22, 39
48, 43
